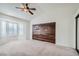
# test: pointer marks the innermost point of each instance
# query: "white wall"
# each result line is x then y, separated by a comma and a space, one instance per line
26, 25
63, 15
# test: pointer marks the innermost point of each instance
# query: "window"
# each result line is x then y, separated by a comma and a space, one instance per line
3, 28
20, 29
15, 26
10, 29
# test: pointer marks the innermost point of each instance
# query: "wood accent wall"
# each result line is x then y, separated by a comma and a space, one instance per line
44, 32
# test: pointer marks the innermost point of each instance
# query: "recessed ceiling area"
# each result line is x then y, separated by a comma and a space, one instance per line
41, 9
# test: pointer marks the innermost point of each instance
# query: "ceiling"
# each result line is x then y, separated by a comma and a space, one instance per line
10, 9
41, 8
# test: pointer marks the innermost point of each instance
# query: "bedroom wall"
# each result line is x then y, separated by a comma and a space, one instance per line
63, 15
16, 20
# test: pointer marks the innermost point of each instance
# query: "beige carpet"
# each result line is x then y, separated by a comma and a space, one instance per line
35, 48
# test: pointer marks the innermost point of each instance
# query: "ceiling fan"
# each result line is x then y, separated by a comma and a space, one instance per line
25, 8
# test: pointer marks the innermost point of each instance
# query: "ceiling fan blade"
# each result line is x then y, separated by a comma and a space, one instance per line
30, 12
27, 7
32, 8
19, 8
26, 4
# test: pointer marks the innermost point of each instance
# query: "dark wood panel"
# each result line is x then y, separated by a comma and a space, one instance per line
44, 32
